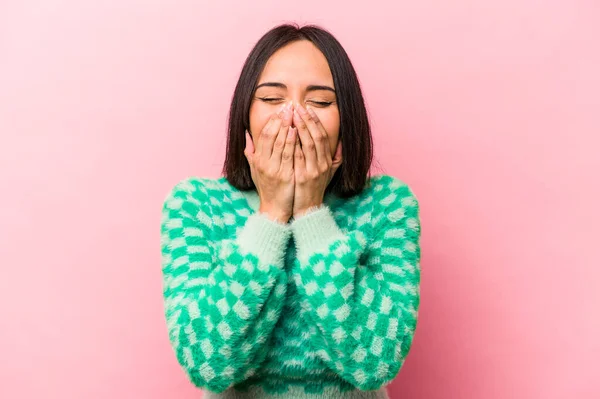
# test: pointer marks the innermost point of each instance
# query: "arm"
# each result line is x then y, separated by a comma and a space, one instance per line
362, 297
222, 296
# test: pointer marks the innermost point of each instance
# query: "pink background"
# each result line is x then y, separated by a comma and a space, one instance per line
489, 110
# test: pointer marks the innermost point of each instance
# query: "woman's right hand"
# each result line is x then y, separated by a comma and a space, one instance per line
272, 165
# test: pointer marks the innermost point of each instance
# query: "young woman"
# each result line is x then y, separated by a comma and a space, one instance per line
295, 274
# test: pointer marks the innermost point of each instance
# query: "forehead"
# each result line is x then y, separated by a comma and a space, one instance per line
300, 62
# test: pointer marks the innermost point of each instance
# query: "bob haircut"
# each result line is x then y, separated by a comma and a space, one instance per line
354, 131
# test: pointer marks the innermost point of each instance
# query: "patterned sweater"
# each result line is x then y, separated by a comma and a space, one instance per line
322, 306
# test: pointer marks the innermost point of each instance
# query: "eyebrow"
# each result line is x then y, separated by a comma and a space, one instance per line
282, 86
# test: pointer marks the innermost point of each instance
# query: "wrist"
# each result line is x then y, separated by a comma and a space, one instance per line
275, 215
306, 210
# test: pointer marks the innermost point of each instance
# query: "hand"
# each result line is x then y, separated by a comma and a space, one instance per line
313, 165
272, 165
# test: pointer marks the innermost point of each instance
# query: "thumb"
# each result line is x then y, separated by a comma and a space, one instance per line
336, 161
249, 149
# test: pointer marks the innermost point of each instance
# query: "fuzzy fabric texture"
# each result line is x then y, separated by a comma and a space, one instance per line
322, 306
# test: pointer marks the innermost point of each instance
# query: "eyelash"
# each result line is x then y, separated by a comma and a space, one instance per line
319, 103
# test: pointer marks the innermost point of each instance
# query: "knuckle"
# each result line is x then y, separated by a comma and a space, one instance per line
266, 126
270, 128
268, 134
271, 171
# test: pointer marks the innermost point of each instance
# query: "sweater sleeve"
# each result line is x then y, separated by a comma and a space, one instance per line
222, 295
362, 297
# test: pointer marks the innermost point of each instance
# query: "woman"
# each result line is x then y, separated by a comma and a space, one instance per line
295, 274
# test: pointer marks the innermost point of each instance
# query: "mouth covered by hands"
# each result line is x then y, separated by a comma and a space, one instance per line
314, 165
291, 164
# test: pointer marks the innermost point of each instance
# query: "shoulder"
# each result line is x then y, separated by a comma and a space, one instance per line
186, 188
388, 189
212, 195
195, 185
195, 190
382, 193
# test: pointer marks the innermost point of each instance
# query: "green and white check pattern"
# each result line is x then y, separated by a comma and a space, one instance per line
329, 300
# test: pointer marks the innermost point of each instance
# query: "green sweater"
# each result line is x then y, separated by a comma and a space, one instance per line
323, 306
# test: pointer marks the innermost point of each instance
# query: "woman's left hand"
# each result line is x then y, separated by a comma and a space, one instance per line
313, 166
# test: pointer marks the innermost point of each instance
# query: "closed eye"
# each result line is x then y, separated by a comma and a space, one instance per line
322, 103
274, 100
270, 100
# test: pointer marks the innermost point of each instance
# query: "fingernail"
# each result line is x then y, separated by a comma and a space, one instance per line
290, 131
312, 113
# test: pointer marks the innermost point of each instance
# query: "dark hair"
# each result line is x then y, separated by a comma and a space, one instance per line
354, 131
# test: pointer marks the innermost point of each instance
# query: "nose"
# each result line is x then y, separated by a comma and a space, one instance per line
296, 96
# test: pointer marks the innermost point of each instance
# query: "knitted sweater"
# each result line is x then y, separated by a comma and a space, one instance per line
324, 306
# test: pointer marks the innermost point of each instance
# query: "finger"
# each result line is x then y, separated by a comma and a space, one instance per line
318, 134
281, 135
308, 145
299, 159
249, 149
287, 156
321, 128
250, 154
268, 134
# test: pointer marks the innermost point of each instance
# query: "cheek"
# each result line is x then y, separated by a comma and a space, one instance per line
259, 116
330, 119
331, 122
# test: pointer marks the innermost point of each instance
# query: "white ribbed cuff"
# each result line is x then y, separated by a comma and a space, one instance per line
265, 238
314, 231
